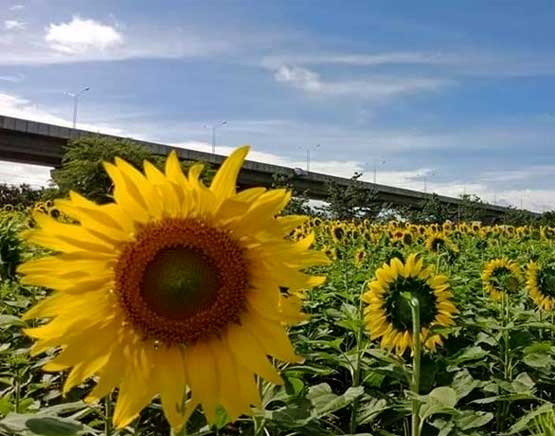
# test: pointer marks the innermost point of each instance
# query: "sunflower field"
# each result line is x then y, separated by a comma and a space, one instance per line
186, 309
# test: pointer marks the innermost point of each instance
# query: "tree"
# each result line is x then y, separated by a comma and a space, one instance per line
299, 204
353, 201
432, 210
82, 167
19, 197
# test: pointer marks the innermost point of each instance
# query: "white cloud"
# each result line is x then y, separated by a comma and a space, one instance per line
14, 25
453, 61
13, 78
16, 7
358, 59
374, 87
86, 40
299, 77
81, 35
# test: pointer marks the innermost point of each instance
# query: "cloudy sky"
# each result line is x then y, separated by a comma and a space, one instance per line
455, 96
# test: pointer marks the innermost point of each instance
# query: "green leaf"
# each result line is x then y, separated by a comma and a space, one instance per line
444, 395
464, 383
7, 321
524, 422
473, 419
523, 383
370, 410
41, 425
440, 400
469, 354
5, 405
324, 401
538, 360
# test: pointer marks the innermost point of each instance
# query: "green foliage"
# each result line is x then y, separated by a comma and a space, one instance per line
299, 204
494, 375
432, 210
352, 202
10, 245
82, 165
19, 197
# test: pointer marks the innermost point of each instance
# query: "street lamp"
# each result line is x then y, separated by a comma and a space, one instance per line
75, 97
308, 154
214, 127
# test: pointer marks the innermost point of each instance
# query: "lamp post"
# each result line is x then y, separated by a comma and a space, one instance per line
214, 127
308, 155
75, 96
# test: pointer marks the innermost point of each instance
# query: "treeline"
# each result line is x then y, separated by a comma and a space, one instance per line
357, 202
82, 171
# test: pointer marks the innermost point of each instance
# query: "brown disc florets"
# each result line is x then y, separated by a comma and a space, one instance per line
181, 280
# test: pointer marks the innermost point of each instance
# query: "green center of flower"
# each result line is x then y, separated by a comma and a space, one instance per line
398, 309
546, 281
179, 281
437, 244
503, 279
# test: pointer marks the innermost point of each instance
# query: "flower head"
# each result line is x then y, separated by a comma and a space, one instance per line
172, 289
388, 315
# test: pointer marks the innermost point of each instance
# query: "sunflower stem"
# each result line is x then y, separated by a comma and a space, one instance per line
108, 415
356, 371
416, 350
17, 390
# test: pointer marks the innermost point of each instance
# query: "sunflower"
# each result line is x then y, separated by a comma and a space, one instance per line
500, 276
388, 315
337, 233
172, 289
438, 242
360, 255
541, 285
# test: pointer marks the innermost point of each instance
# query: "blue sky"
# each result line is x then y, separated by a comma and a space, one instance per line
457, 96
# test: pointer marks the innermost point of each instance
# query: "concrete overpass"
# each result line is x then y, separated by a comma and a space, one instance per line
36, 143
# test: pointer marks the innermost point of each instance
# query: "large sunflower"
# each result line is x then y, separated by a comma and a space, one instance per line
501, 276
540, 282
172, 289
388, 315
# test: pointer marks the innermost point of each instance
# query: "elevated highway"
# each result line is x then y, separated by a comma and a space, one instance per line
36, 143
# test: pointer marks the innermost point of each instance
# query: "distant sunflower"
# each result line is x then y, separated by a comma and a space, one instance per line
173, 289
360, 255
337, 233
407, 238
541, 285
439, 242
388, 315
500, 276
547, 233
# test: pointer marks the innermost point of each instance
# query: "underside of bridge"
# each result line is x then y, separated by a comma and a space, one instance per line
43, 144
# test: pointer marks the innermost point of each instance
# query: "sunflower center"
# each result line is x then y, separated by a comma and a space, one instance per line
503, 279
398, 309
181, 280
437, 244
546, 281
